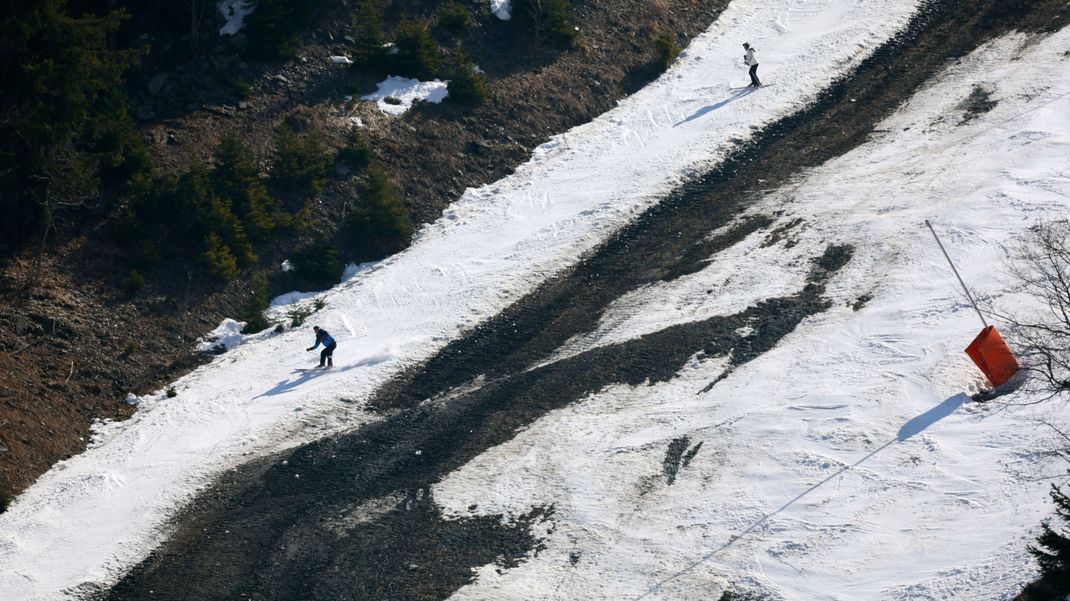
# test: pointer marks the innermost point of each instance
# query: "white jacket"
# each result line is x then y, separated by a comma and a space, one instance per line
750, 60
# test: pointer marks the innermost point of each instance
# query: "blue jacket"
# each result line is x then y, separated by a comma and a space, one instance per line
323, 337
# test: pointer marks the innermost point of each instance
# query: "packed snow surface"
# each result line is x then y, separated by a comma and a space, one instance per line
844, 464
234, 13
849, 462
406, 91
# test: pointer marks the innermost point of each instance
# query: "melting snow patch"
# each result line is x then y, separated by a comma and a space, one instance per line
341, 60
286, 266
355, 268
404, 92
225, 337
503, 9
132, 399
234, 11
290, 298
744, 331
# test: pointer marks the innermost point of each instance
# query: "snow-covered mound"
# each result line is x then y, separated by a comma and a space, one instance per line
96, 514
503, 9
396, 95
849, 462
225, 337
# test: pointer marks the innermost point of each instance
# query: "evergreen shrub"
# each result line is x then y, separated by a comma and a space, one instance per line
275, 27
218, 260
301, 162
1052, 553
380, 224
357, 154
369, 49
132, 283
665, 51
550, 19
417, 52
317, 265
454, 17
467, 86
253, 312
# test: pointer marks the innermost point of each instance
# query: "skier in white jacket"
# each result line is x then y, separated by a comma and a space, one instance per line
751, 61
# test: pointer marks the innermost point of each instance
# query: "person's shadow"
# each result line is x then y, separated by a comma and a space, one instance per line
713, 107
305, 375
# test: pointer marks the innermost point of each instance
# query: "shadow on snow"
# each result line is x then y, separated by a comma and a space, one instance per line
713, 107
913, 427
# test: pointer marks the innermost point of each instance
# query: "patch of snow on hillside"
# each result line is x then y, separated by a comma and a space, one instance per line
234, 12
289, 298
405, 92
503, 9
225, 337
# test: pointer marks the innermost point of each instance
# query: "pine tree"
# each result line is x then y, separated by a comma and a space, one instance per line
549, 18
466, 86
317, 266
1053, 550
369, 41
67, 131
235, 167
275, 27
253, 312
218, 259
301, 162
261, 212
454, 17
418, 54
380, 224
665, 51
357, 154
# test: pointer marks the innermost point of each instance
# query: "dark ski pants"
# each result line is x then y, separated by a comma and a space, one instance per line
327, 354
754, 76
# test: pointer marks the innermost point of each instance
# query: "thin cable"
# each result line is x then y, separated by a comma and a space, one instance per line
953, 268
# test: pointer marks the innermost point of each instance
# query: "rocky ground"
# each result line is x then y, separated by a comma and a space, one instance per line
72, 349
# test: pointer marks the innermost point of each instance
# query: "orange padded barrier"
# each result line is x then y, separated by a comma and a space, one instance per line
992, 356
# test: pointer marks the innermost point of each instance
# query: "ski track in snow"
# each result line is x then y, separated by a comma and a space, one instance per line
98, 513
847, 463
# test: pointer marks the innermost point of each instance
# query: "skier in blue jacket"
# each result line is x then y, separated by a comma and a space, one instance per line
327, 354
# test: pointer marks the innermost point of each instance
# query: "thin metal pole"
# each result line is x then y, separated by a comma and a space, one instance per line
949, 262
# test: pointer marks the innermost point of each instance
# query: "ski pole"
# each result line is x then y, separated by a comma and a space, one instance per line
949, 262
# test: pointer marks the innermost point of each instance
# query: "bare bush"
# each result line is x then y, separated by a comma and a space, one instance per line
1040, 266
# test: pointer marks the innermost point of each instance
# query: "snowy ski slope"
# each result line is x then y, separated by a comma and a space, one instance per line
849, 462
95, 514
